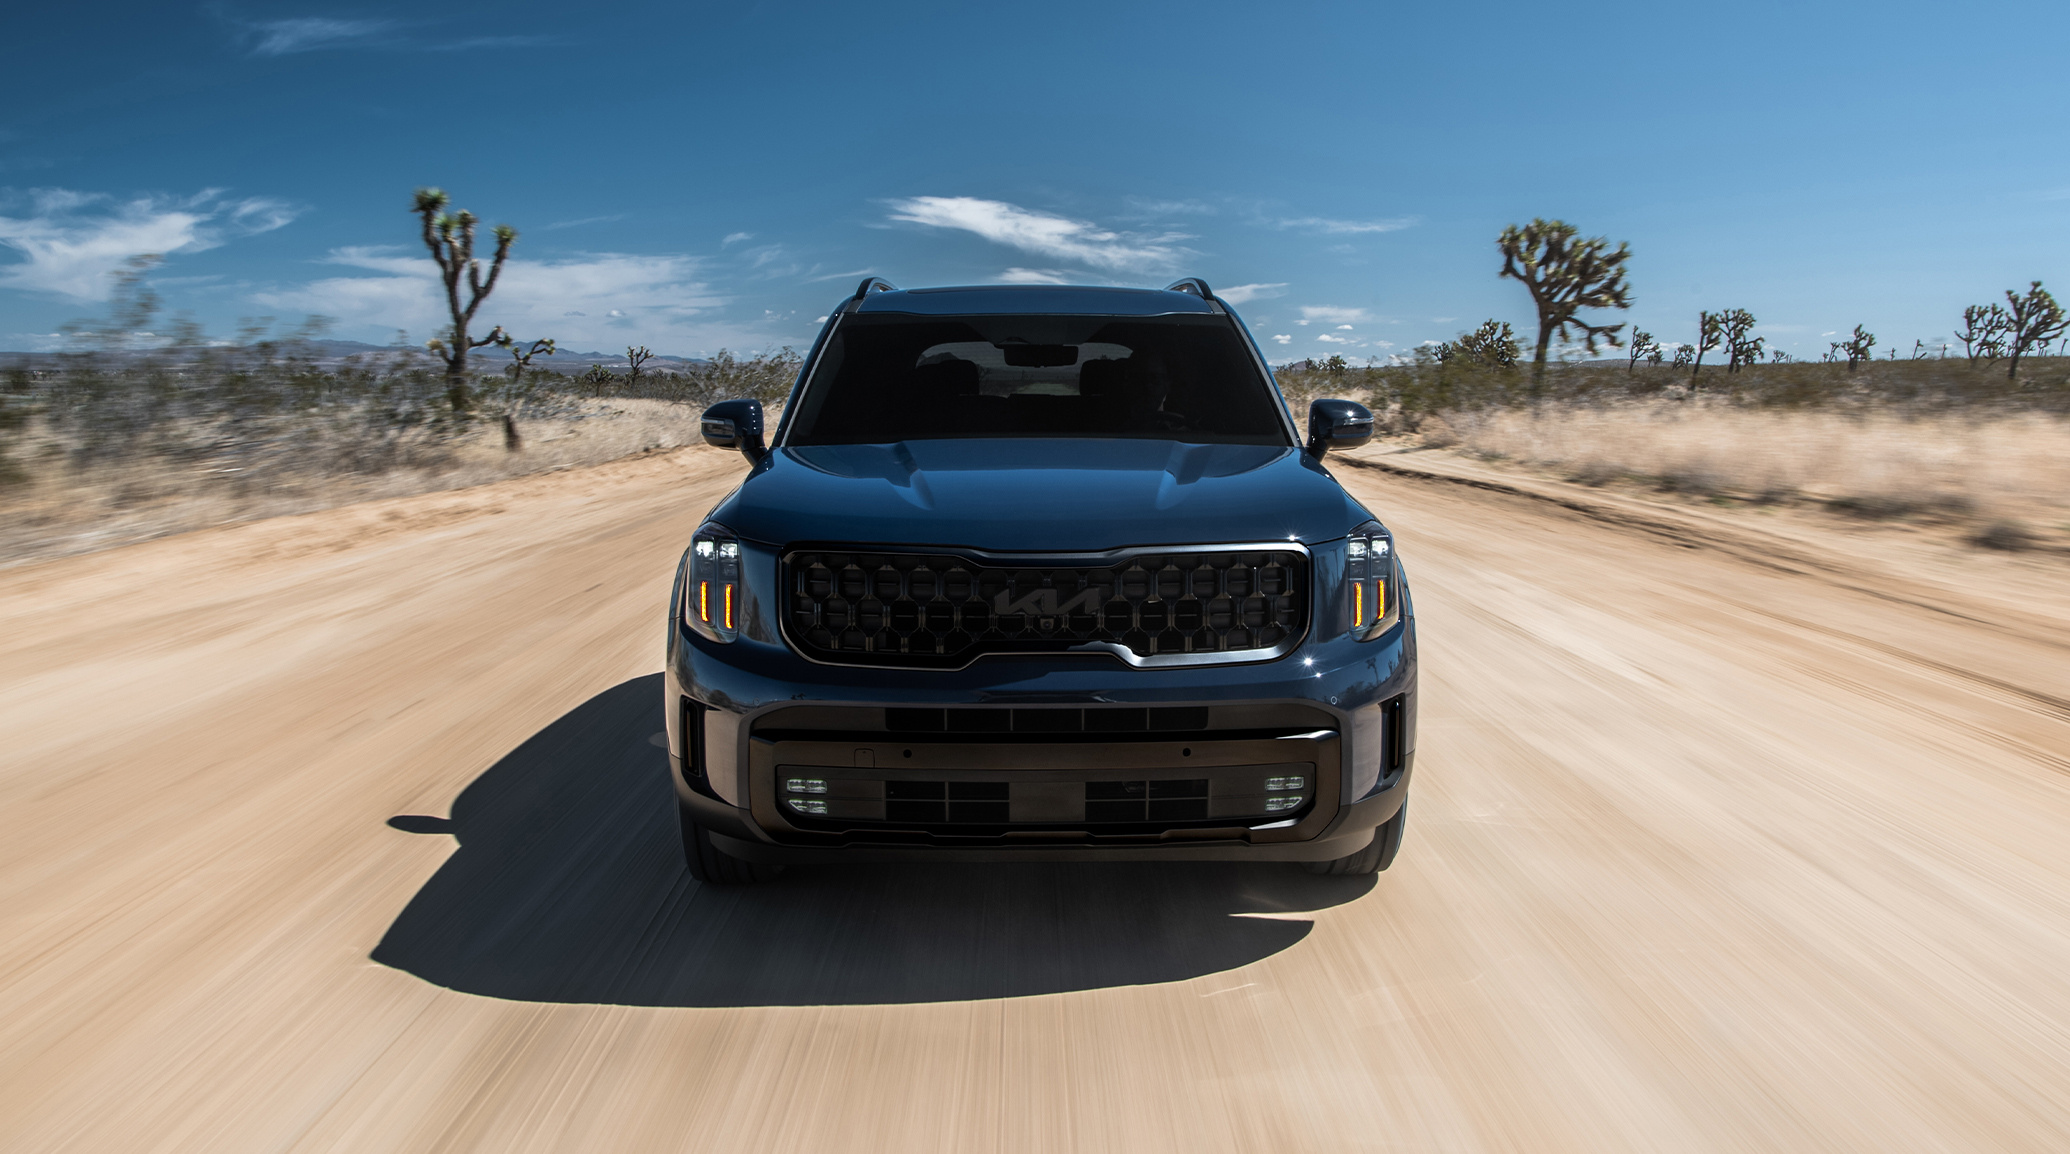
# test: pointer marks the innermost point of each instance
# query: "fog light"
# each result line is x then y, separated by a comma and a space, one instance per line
807, 805
1280, 804
1285, 782
805, 785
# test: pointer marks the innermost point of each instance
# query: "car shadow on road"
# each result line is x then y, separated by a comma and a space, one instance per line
568, 886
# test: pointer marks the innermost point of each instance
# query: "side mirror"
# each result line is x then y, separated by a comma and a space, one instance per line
1338, 425
736, 425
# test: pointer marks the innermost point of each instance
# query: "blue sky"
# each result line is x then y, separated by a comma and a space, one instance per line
690, 176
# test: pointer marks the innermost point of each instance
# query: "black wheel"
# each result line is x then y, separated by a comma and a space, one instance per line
714, 866
1387, 841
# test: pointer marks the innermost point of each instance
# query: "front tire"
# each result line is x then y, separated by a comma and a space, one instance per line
714, 866
1387, 841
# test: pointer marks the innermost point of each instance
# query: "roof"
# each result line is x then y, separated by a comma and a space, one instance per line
1069, 300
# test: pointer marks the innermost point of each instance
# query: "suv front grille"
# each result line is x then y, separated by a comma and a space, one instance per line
942, 610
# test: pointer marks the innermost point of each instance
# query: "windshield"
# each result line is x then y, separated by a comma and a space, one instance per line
896, 377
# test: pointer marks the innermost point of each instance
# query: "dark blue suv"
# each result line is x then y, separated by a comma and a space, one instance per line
1039, 572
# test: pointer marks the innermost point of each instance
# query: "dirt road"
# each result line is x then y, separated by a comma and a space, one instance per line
347, 832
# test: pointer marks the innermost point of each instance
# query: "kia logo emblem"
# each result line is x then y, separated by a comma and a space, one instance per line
1044, 603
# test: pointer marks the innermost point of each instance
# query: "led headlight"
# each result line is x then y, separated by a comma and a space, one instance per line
711, 590
1372, 581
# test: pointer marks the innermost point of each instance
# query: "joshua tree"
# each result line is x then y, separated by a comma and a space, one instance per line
1741, 346
519, 362
450, 237
1983, 332
2036, 319
1642, 347
1709, 331
14, 413
1856, 348
132, 306
635, 357
1565, 273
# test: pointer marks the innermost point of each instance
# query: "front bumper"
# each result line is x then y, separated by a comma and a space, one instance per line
1339, 713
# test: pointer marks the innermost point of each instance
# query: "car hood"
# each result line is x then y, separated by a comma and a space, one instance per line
1039, 495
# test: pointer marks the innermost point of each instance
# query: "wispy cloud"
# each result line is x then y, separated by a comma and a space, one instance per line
600, 300
1035, 276
764, 256
1245, 293
1340, 227
298, 34
309, 33
1330, 314
559, 224
1170, 207
70, 241
1042, 233
736, 238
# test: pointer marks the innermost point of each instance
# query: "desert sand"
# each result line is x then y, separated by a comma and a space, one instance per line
349, 832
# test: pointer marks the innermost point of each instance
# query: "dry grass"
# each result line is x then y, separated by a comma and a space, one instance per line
2002, 474
57, 510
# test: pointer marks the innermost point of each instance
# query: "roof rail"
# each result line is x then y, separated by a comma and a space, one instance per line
873, 284
1194, 285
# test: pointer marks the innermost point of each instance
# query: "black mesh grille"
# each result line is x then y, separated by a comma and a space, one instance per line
942, 609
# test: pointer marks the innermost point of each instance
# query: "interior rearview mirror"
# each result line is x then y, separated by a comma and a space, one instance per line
1023, 356
1338, 425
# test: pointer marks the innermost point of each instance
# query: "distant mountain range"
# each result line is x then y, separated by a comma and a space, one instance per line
330, 353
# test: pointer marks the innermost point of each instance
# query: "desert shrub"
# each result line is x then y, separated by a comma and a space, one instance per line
765, 377
2010, 536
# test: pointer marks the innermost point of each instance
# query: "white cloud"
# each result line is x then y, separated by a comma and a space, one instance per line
1283, 338
735, 238
1326, 338
1245, 293
1330, 314
1344, 327
70, 241
258, 214
298, 34
1035, 276
765, 255
559, 224
855, 275
601, 300
1041, 233
1341, 227
1171, 207
309, 33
